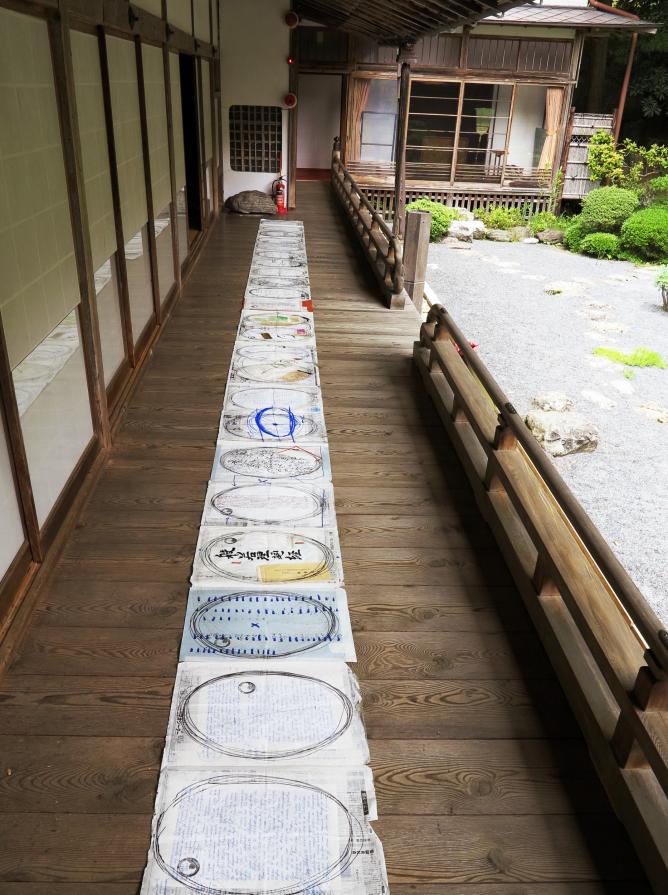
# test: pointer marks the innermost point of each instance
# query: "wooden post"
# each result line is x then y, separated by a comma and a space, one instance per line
404, 58
416, 248
61, 55
293, 87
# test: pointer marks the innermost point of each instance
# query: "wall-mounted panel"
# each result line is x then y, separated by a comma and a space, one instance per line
95, 157
177, 120
202, 22
179, 14
38, 283
156, 120
206, 109
127, 134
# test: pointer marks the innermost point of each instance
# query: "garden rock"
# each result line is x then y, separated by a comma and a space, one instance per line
520, 233
554, 401
551, 236
452, 242
654, 412
465, 230
530, 240
563, 433
251, 202
498, 235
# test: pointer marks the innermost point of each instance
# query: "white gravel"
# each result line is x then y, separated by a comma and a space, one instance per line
536, 342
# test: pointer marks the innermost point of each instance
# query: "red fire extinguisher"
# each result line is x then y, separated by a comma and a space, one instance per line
278, 194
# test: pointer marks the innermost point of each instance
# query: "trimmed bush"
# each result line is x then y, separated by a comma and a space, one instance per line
604, 210
600, 245
498, 217
441, 216
573, 235
645, 233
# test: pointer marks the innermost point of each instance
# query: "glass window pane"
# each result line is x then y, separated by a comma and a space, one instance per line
139, 283
11, 526
109, 315
164, 251
54, 407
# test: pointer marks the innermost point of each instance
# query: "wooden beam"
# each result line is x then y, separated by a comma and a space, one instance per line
400, 150
121, 268
146, 155
61, 54
293, 87
201, 155
18, 453
172, 169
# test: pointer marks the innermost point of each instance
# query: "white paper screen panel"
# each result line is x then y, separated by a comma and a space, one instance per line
153, 6
202, 23
11, 527
39, 284
179, 13
127, 134
156, 122
177, 120
95, 156
206, 107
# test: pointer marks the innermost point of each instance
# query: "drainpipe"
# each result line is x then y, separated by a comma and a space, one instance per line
629, 62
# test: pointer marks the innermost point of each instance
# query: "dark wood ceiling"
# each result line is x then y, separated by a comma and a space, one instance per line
397, 21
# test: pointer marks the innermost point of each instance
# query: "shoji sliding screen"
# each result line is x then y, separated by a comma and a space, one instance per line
179, 156
156, 115
39, 290
130, 164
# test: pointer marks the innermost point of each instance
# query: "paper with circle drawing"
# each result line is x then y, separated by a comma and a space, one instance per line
269, 555
248, 396
286, 711
274, 364
244, 461
270, 831
281, 504
273, 424
273, 623
276, 326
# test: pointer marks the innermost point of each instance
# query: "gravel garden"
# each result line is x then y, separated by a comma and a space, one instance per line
579, 342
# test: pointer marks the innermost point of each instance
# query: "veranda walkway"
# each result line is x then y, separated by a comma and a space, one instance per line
484, 785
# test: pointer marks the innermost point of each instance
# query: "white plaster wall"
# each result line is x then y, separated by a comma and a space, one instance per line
319, 119
255, 43
528, 114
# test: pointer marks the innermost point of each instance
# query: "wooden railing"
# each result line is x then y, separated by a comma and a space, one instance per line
382, 249
607, 646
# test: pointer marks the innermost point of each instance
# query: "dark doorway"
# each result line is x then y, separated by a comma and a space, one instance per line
191, 143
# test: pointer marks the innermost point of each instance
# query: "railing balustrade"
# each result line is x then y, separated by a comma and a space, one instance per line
606, 644
382, 249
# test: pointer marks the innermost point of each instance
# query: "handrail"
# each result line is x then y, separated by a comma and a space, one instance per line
607, 646
648, 623
383, 250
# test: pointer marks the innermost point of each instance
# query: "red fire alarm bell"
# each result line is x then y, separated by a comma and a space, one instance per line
290, 100
291, 19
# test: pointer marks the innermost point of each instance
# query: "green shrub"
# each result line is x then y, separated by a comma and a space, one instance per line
573, 235
657, 190
604, 210
543, 220
640, 357
498, 217
645, 233
600, 245
605, 162
441, 216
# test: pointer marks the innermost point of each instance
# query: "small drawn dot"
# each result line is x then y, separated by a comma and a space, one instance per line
222, 640
188, 866
247, 687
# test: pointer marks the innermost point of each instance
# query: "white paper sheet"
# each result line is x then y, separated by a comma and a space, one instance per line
274, 364
257, 326
273, 425
279, 831
267, 556
249, 396
287, 711
278, 504
247, 461
283, 622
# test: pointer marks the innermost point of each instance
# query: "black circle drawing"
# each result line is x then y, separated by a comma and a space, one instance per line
271, 424
204, 880
249, 682
290, 503
271, 462
253, 643
272, 395
275, 292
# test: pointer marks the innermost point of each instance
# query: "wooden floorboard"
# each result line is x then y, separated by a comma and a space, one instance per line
484, 784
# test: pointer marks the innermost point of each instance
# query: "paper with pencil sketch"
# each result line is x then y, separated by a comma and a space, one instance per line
284, 711
280, 504
241, 462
